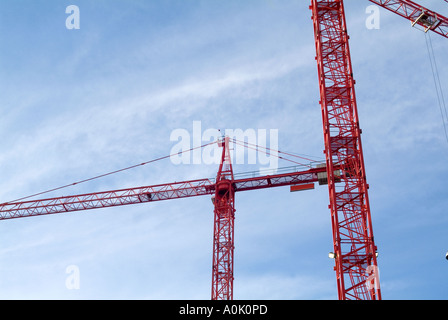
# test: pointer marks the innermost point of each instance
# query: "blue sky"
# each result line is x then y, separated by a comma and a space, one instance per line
78, 103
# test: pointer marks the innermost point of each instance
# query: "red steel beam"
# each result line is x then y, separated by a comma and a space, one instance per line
353, 242
106, 199
176, 190
223, 229
417, 14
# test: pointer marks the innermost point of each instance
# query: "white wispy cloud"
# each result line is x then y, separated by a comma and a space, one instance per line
111, 98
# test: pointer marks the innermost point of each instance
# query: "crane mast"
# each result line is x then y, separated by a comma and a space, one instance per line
223, 230
353, 242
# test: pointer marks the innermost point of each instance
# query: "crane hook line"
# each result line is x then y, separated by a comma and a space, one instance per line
437, 83
242, 143
270, 151
106, 174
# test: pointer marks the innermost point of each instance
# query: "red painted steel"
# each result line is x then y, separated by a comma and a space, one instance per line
302, 187
350, 212
106, 199
223, 189
417, 14
177, 190
223, 231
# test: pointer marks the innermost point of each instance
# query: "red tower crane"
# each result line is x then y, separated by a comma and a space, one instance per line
418, 15
353, 240
223, 230
222, 190
343, 171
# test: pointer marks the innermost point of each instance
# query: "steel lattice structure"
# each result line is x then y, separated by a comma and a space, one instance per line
223, 230
169, 191
353, 242
343, 171
417, 14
